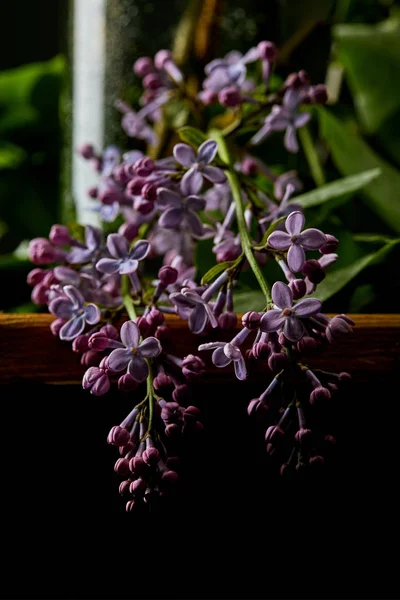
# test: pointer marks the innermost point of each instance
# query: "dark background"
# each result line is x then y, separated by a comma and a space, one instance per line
235, 532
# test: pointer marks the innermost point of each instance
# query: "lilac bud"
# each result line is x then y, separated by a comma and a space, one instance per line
36, 276
207, 97
169, 477
230, 97
277, 361
313, 270
167, 275
110, 331
97, 341
155, 318
138, 467
163, 383
316, 462
143, 167
181, 393
118, 436
130, 506
152, 81
330, 440
123, 450
319, 395
163, 333
59, 235
274, 434
257, 408
303, 436
41, 252
124, 486
161, 58
81, 343
122, 466
292, 81
149, 192
330, 245
251, 320
343, 376
261, 350
304, 77
143, 206
173, 430
129, 231
227, 321
267, 51
143, 66
192, 367
134, 187
151, 456
92, 192
87, 151
249, 166
298, 287
191, 413
137, 486
144, 326
285, 469
318, 94
338, 327
307, 345
126, 383
282, 339
90, 358
56, 325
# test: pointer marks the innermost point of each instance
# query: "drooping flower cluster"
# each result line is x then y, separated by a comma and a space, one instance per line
111, 299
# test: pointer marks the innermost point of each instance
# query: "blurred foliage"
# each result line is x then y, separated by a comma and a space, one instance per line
351, 45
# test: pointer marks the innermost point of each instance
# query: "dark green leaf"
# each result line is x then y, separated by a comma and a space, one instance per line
216, 270
192, 136
11, 155
352, 155
336, 189
249, 300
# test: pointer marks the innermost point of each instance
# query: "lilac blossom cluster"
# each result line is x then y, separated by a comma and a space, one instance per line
113, 302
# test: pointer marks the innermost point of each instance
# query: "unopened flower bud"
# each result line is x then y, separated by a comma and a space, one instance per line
307, 345
151, 456
298, 287
118, 436
251, 320
126, 383
87, 151
181, 393
261, 350
331, 244
313, 270
144, 326
277, 361
249, 166
163, 383
230, 97
124, 486
227, 321
319, 395
143, 66
122, 466
59, 235
167, 275
267, 51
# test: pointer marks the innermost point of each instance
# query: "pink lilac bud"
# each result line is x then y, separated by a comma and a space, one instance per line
122, 467
137, 486
149, 192
274, 434
143, 66
293, 81
173, 430
191, 413
313, 270
161, 58
251, 320
126, 383
143, 206
318, 94
163, 333
167, 275
138, 467
144, 167
124, 486
298, 287
59, 236
227, 321
169, 478
277, 361
56, 325
144, 326
90, 358
304, 77
261, 350
42, 252
319, 395
129, 231
130, 506
163, 383
193, 367
257, 408
307, 345
155, 318
181, 393
316, 462
92, 192
207, 97
230, 97
81, 343
151, 456
87, 151
118, 436
304, 437
36, 276
331, 244
285, 469
249, 166
152, 81
267, 51
120, 174
98, 342
330, 440
283, 341
343, 376
338, 327
134, 187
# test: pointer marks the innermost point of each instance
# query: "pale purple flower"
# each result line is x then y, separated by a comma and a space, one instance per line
180, 210
198, 164
97, 379
284, 118
71, 307
296, 241
92, 248
125, 260
193, 307
132, 353
225, 353
285, 316
228, 71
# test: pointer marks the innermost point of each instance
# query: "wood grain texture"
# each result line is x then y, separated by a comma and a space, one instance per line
29, 351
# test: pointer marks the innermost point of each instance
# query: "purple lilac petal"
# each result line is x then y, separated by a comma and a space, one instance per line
171, 218
279, 240
312, 239
290, 140
138, 368
150, 348
101, 386
194, 223
74, 295
219, 358
211, 345
195, 203
232, 352
296, 258
293, 329
307, 307
198, 318
301, 119
214, 174
72, 328
108, 265
272, 320
295, 223
184, 154
140, 250
181, 300
207, 152
240, 368
93, 237
282, 295
128, 266
61, 307
251, 55
117, 245
130, 334
192, 182
119, 359
91, 376
92, 314
166, 197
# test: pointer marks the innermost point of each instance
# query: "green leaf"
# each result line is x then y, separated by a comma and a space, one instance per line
192, 136
216, 270
270, 229
248, 300
177, 113
11, 155
337, 279
351, 155
370, 55
336, 189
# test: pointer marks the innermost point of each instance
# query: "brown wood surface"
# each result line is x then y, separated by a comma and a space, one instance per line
29, 351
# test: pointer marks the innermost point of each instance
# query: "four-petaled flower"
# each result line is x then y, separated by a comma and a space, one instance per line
286, 316
180, 210
132, 353
72, 307
198, 164
125, 260
193, 307
229, 71
296, 241
224, 353
92, 248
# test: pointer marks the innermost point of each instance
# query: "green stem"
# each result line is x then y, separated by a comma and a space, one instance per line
241, 222
150, 395
127, 298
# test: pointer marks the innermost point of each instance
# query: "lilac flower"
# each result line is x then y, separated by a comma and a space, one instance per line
225, 353
286, 316
180, 210
92, 248
284, 118
71, 307
296, 241
132, 353
193, 307
97, 379
228, 71
198, 164
125, 260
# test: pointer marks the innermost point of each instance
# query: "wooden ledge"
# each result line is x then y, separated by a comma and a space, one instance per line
29, 351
